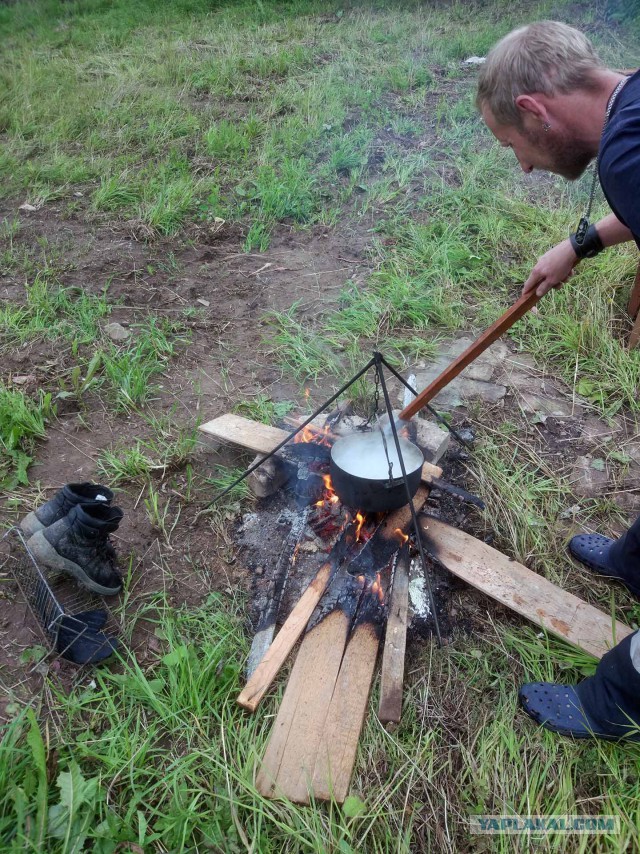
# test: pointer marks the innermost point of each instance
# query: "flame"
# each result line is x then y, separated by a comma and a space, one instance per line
330, 495
294, 556
314, 434
376, 588
401, 535
359, 523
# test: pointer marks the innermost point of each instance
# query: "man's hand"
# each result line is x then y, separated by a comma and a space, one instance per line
552, 269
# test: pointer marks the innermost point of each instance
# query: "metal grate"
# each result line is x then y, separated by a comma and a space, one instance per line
54, 600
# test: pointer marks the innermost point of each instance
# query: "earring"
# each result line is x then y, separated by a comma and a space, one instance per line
546, 127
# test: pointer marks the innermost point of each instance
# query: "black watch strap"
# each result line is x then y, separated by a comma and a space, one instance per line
590, 245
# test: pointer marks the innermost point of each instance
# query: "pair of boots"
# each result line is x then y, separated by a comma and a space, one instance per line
70, 534
607, 704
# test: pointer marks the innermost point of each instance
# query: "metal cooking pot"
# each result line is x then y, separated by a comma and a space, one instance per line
360, 472
359, 467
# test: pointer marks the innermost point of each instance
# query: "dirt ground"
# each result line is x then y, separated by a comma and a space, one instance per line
227, 361
231, 291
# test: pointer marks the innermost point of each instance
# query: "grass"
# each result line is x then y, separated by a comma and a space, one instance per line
23, 420
292, 120
164, 757
169, 447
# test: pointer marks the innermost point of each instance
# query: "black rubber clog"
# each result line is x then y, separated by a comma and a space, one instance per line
558, 708
593, 550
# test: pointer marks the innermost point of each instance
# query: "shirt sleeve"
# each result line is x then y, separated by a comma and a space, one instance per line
620, 169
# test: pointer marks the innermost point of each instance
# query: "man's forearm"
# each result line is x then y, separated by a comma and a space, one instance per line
555, 266
611, 231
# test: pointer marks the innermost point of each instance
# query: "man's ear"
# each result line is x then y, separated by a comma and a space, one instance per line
531, 105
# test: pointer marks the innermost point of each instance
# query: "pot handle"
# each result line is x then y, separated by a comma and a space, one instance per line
517, 310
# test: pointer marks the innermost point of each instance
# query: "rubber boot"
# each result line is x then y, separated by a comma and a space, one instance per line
78, 545
605, 705
62, 502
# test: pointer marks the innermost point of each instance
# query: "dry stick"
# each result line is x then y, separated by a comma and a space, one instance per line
392, 673
634, 298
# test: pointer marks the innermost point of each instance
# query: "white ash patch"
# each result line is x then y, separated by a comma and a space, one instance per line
418, 594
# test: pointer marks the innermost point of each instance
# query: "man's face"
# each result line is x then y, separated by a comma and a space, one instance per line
534, 148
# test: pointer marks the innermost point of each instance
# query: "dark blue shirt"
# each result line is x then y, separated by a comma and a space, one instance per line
619, 158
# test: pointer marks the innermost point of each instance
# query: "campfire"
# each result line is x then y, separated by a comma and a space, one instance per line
301, 532
339, 578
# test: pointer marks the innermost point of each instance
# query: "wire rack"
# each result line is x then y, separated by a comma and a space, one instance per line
54, 600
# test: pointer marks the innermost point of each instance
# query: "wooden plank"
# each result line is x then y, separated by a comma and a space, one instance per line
634, 298
338, 746
262, 439
244, 432
290, 757
634, 337
285, 640
395, 641
560, 613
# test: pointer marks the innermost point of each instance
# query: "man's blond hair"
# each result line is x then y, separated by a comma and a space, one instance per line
547, 57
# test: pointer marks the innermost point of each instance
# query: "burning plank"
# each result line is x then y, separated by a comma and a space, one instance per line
262, 439
313, 743
294, 625
338, 741
392, 673
560, 613
267, 622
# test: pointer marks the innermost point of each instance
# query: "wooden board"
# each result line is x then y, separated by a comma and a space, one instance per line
244, 432
395, 641
634, 337
262, 439
338, 744
634, 297
560, 613
285, 640
290, 758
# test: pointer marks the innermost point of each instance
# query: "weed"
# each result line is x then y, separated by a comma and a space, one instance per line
22, 421
116, 193
158, 513
52, 311
306, 353
169, 447
128, 370
263, 409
